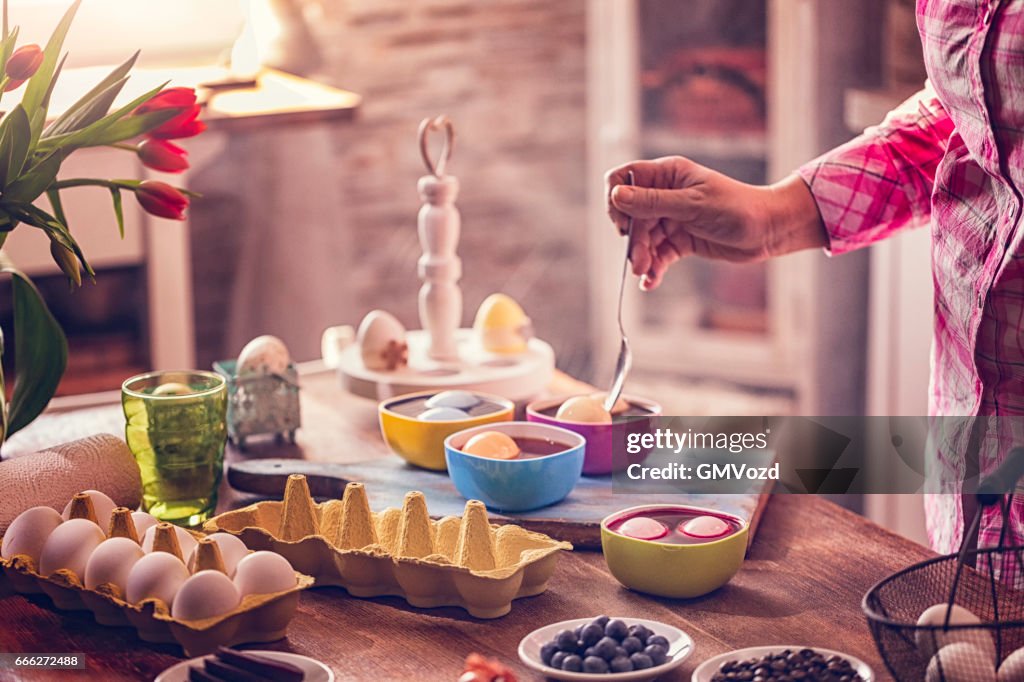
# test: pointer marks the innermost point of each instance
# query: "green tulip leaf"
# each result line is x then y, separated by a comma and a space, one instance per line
40, 353
15, 134
39, 84
111, 128
94, 104
115, 195
36, 179
7, 47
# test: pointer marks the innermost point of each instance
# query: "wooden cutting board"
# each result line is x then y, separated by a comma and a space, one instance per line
577, 519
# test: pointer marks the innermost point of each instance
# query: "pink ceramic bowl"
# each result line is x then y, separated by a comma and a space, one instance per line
603, 440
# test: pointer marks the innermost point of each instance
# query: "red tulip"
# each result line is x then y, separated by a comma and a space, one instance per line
162, 155
160, 199
184, 124
12, 85
24, 62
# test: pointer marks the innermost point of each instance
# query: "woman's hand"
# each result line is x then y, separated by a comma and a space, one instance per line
681, 208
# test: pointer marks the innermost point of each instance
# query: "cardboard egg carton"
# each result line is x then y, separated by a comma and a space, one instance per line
258, 618
455, 561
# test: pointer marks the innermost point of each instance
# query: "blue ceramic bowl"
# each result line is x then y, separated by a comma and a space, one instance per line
516, 485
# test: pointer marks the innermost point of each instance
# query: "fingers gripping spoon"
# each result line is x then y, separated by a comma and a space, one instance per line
625, 360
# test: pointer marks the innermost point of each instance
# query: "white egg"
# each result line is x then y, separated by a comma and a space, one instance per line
143, 522
264, 573
1012, 669
111, 563
186, 540
930, 641
961, 662
232, 550
205, 595
460, 400
155, 576
69, 546
101, 504
442, 414
28, 533
381, 339
263, 355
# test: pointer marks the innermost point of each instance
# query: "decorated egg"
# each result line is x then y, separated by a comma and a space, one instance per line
704, 527
929, 641
1012, 669
442, 414
583, 408
643, 528
111, 562
961, 662
459, 400
28, 533
155, 576
69, 547
264, 573
493, 445
263, 355
206, 594
381, 339
501, 325
232, 550
621, 405
101, 504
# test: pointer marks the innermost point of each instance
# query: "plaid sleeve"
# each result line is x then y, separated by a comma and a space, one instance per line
881, 182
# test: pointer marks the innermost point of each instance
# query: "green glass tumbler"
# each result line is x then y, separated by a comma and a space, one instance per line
176, 427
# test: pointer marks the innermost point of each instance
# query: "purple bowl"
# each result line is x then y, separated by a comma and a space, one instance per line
603, 440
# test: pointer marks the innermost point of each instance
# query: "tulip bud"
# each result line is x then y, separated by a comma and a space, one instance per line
185, 123
163, 156
12, 85
24, 62
68, 263
160, 199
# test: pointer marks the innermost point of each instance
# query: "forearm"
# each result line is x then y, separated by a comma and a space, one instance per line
793, 221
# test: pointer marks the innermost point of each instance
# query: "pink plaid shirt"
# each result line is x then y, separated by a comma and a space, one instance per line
952, 158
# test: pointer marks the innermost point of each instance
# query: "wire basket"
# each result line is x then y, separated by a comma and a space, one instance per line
981, 581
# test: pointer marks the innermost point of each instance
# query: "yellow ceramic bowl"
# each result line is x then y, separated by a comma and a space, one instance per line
421, 442
674, 571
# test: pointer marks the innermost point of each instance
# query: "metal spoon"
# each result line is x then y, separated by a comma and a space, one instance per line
625, 360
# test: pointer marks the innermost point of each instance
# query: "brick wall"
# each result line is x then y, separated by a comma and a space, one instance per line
301, 229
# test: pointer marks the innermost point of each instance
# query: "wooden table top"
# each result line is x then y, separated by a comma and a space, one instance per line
808, 568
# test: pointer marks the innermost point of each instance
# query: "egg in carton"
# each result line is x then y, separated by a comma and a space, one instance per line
455, 561
80, 583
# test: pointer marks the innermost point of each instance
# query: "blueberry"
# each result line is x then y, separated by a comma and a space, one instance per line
619, 651
640, 632
557, 658
606, 647
640, 662
658, 653
632, 645
577, 631
547, 651
659, 640
616, 629
566, 641
621, 664
601, 620
592, 633
573, 664
589, 651
593, 664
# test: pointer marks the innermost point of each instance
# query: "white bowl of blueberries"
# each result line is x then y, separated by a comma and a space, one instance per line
605, 648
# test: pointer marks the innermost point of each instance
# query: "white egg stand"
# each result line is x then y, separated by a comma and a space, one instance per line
441, 356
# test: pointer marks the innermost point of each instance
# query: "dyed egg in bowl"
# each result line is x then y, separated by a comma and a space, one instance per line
517, 466
606, 438
415, 425
674, 551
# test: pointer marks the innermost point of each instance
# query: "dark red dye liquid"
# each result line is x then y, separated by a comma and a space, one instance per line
538, 447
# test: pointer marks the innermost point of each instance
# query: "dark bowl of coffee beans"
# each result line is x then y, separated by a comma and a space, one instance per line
605, 648
789, 664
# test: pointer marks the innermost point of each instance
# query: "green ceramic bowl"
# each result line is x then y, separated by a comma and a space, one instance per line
674, 571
